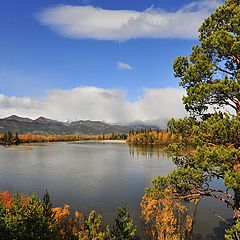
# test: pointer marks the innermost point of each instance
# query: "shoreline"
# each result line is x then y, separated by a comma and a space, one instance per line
21, 145
15, 148
111, 141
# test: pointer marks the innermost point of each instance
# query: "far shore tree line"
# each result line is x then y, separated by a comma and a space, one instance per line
157, 137
10, 138
141, 136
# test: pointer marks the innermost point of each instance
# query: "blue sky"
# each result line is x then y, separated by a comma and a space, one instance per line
56, 45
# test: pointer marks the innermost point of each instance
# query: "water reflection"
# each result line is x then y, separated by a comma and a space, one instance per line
209, 221
217, 234
147, 150
98, 176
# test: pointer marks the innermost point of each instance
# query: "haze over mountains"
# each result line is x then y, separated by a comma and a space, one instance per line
44, 125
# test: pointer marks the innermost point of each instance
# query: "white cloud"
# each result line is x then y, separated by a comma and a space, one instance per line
25, 106
124, 66
98, 104
88, 22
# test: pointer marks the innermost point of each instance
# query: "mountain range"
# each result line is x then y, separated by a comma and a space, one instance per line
44, 125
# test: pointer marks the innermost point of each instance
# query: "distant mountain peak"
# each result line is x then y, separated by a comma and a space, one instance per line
44, 120
48, 126
18, 119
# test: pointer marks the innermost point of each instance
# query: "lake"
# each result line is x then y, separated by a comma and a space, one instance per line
99, 176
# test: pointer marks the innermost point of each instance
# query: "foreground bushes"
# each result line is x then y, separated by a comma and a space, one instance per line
27, 217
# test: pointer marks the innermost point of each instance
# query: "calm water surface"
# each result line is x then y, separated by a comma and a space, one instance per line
98, 176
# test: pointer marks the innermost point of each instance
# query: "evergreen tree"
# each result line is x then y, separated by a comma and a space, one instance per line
16, 138
211, 77
124, 228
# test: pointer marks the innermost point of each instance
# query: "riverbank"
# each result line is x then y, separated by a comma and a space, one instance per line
27, 146
15, 140
111, 141
15, 149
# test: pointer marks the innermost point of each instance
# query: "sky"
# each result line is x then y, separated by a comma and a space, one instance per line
107, 60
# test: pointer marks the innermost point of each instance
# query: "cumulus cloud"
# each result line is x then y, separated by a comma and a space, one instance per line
88, 22
98, 104
124, 66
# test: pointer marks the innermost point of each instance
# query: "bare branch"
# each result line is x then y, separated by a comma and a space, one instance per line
209, 193
225, 71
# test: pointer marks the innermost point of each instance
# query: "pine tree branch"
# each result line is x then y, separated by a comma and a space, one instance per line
225, 71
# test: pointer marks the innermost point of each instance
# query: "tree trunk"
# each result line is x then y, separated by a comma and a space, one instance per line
237, 204
238, 108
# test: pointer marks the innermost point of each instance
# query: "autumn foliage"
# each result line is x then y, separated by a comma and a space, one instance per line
153, 137
9, 138
27, 218
6, 198
166, 217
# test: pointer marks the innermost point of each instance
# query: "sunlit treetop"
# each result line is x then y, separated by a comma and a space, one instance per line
211, 75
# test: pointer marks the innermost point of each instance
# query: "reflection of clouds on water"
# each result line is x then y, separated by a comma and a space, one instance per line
97, 176
87, 176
